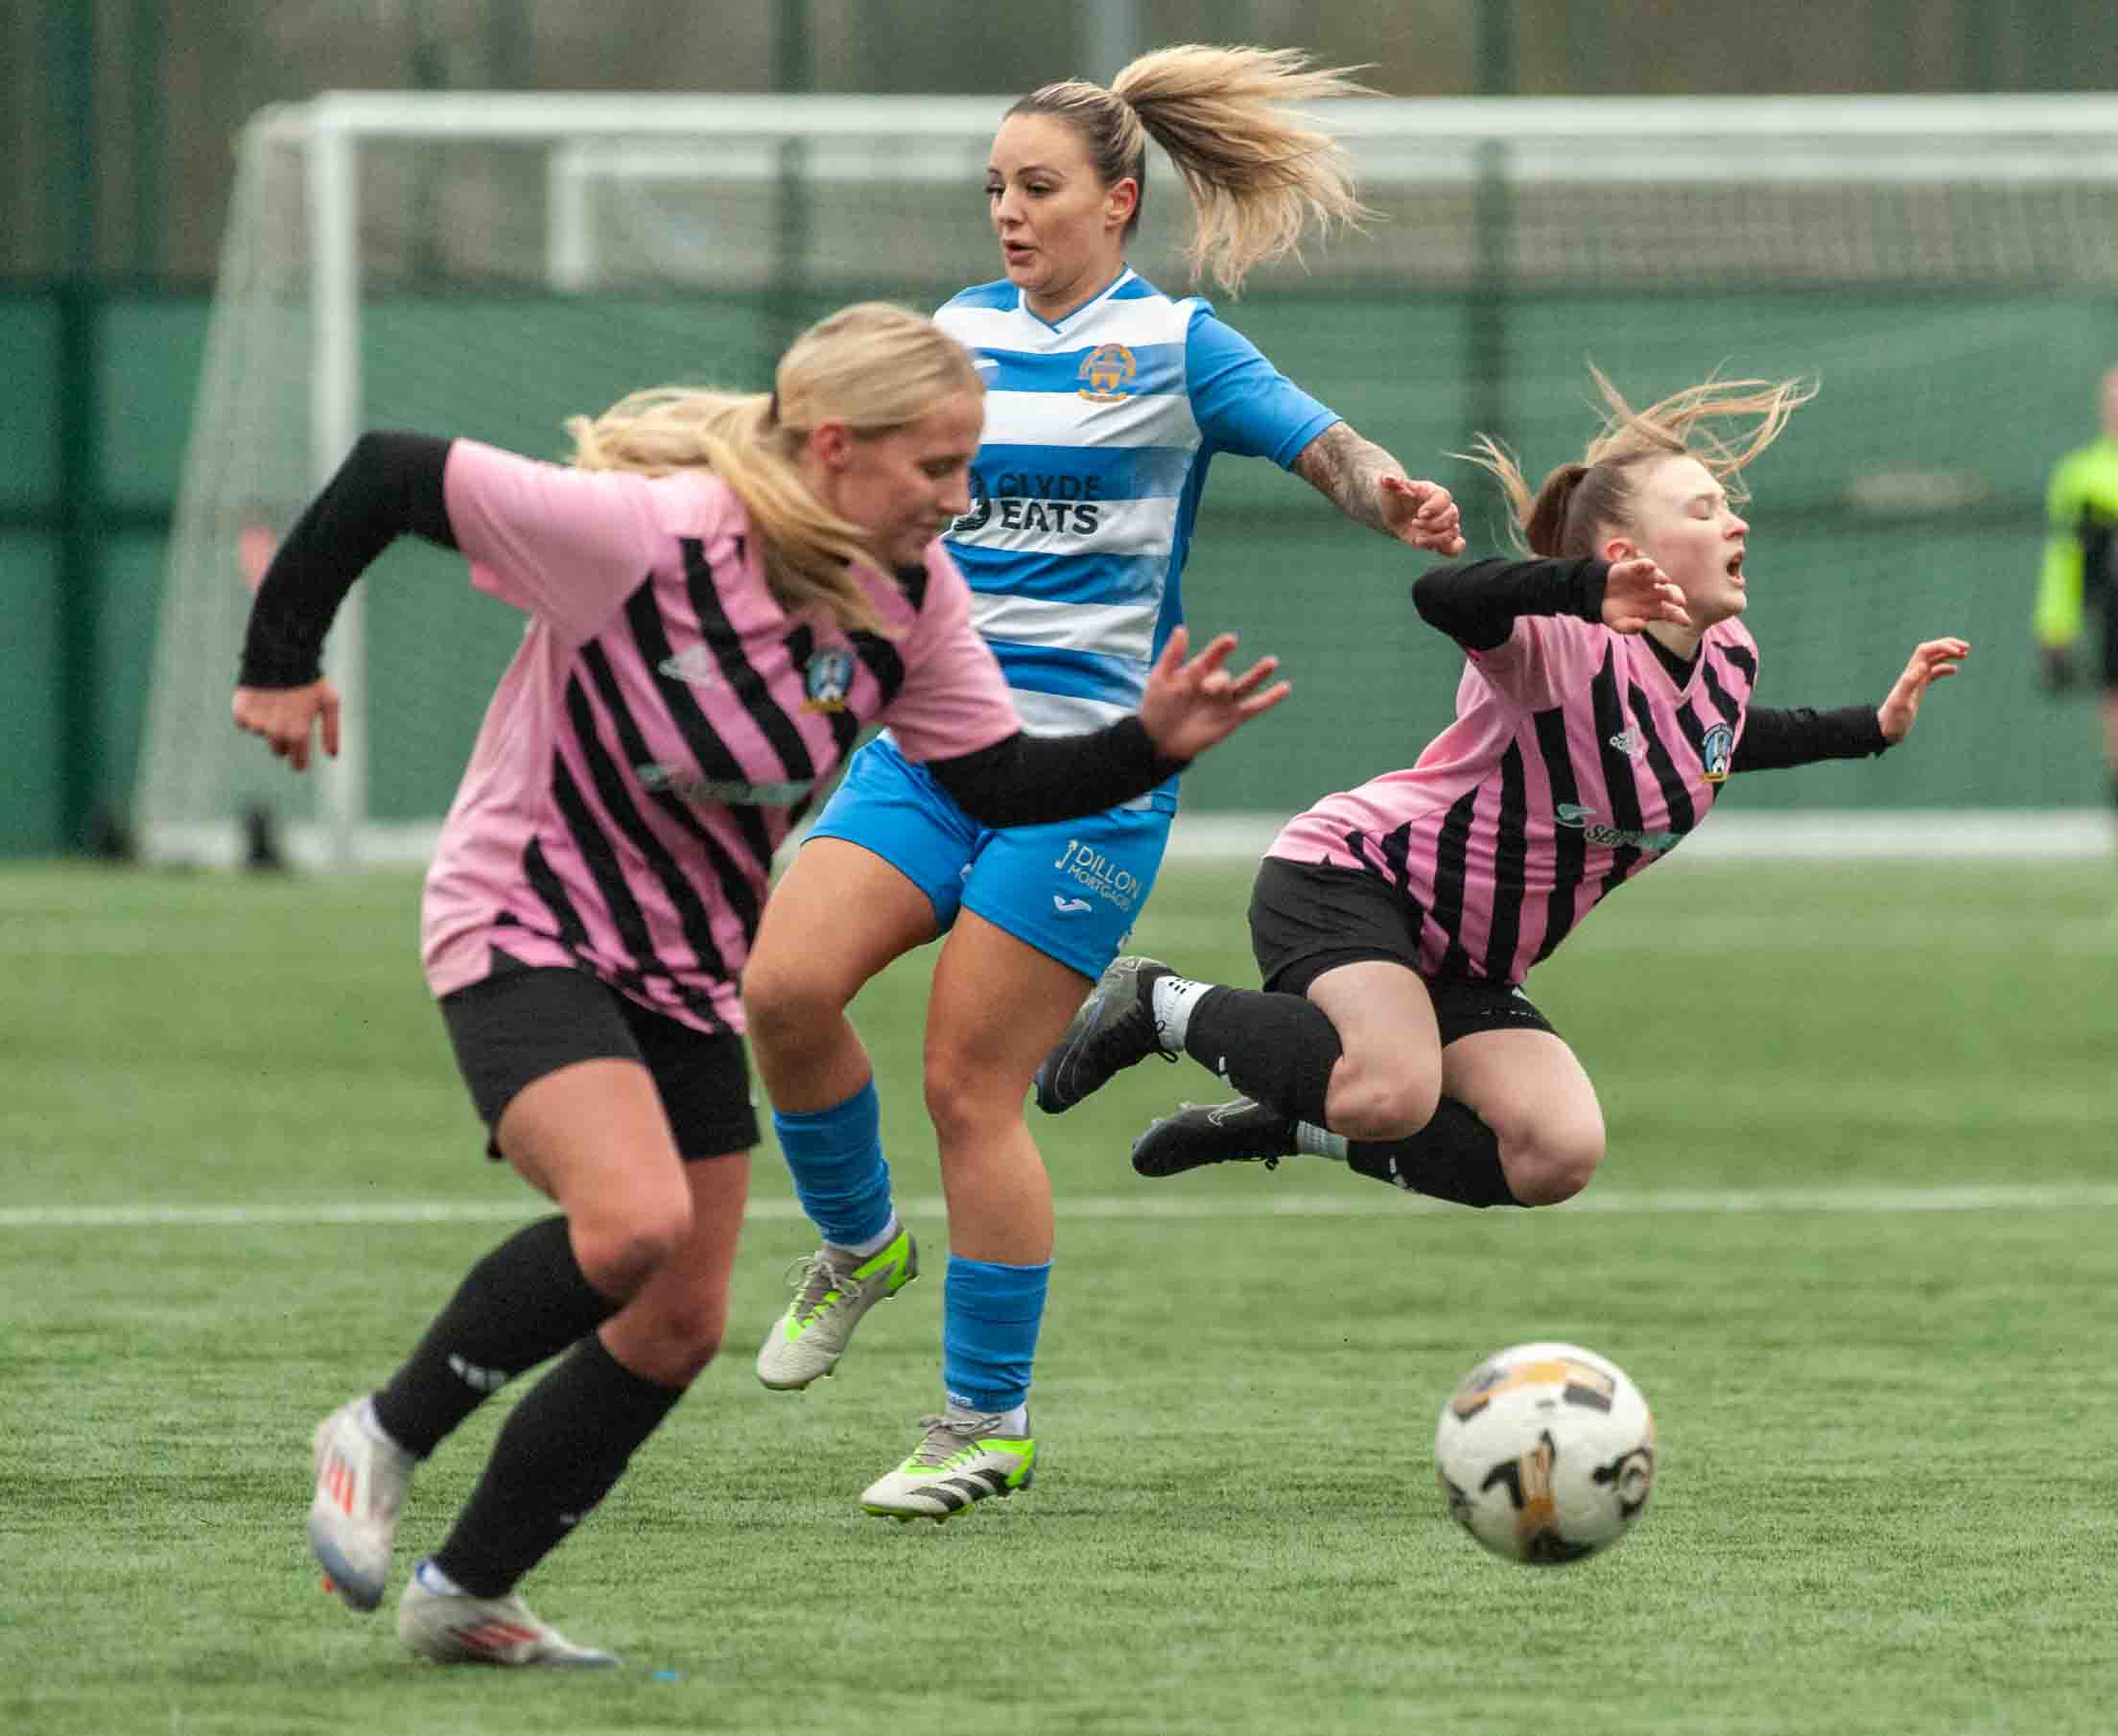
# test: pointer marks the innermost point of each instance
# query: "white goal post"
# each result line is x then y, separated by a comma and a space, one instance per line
452, 201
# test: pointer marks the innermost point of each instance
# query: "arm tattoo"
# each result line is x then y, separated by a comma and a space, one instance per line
1343, 468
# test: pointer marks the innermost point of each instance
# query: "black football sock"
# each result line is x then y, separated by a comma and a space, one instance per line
1454, 1157
524, 1301
1277, 1049
567, 1442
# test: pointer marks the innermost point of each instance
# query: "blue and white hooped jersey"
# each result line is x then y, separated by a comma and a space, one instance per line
1097, 435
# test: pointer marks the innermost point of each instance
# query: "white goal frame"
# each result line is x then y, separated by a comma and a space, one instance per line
1778, 140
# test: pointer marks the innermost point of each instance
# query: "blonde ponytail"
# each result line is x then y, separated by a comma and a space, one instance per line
1259, 174
1566, 513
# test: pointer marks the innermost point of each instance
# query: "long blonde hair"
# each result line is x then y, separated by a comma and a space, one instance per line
874, 366
1565, 514
1258, 174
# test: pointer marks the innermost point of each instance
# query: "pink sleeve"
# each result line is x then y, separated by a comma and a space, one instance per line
1543, 660
955, 700
568, 546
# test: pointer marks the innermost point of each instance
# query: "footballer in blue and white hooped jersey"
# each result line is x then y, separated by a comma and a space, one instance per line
1106, 400
1098, 431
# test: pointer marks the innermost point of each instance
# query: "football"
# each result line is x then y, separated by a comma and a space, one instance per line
1546, 1453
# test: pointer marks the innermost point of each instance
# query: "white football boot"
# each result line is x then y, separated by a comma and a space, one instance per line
963, 1459
360, 1484
832, 1292
455, 1628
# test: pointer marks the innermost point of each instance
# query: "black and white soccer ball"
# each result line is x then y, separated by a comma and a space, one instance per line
1546, 1453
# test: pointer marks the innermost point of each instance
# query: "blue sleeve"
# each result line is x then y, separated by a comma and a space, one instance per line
1242, 402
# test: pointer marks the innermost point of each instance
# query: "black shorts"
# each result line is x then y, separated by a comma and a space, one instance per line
1304, 921
522, 1022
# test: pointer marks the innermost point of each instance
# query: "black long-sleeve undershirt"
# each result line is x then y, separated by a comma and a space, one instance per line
389, 485
1039, 779
392, 485
1477, 603
1773, 740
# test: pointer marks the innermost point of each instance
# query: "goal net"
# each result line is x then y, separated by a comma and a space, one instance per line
485, 266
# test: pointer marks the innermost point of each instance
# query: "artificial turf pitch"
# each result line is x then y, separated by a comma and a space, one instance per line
1857, 1238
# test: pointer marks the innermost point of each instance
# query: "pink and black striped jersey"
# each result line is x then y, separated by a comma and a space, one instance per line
1575, 760
662, 727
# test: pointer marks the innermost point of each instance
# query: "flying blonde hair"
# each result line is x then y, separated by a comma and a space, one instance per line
1565, 513
875, 367
1259, 174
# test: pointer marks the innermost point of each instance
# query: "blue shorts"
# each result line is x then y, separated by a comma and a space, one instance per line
1071, 890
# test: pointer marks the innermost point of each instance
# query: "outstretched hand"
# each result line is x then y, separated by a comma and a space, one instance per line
1188, 707
1636, 592
1422, 515
286, 717
1932, 661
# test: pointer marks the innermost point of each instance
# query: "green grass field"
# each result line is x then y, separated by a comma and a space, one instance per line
1857, 1239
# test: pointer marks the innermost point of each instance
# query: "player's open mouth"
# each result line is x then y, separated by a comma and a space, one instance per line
1735, 565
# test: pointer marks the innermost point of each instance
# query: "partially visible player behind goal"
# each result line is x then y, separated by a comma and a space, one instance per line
722, 591
2079, 581
1605, 700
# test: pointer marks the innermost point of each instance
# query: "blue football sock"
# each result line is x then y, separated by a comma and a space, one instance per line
990, 1315
836, 1156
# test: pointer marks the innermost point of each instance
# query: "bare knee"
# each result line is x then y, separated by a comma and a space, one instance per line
619, 1250
967, 1101
1547, 1165
790, 1006
973, 1080
1369, 1101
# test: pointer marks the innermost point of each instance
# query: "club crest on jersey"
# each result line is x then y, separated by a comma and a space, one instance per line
827, 680
981, 508
1715, 750
1106, 373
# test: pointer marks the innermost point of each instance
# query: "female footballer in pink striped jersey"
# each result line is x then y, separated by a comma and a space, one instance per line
722, 591
1605, 697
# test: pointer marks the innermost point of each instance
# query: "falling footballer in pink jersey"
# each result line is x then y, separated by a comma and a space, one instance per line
1606, 698
721, 591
